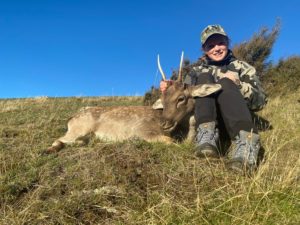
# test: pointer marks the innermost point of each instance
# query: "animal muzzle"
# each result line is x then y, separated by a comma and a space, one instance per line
168, 126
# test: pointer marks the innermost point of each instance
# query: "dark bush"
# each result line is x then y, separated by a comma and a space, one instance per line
257, 50
283, 77
151, 96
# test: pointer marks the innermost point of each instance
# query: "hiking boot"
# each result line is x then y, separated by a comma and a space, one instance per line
206, 140
244, 159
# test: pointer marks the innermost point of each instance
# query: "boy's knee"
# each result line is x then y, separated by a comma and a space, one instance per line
227, 84
205, 78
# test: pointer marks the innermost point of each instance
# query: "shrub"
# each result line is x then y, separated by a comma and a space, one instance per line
257, 50
283, 77
151, 96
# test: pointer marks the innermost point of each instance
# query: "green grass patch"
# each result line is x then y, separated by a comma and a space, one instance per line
136, 182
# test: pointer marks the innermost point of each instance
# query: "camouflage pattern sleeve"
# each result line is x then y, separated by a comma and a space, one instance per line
191, 77
188, 79
251, 87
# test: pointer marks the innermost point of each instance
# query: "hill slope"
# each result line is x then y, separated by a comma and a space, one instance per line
136, 182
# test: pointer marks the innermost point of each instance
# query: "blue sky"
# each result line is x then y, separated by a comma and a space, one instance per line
106, 48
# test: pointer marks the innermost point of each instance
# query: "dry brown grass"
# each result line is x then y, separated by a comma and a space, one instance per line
135, 182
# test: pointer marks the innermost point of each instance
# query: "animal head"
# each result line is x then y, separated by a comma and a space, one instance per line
178, 100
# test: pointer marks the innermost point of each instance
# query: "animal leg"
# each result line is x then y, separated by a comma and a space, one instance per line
161, 138
77, 131
56, 146
192, 130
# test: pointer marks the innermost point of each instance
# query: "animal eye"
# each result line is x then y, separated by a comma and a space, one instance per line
181, 98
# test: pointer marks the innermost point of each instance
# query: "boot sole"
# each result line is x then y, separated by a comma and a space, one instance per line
239, 166
207, 151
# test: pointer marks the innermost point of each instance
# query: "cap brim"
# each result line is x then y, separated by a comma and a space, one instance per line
222, 33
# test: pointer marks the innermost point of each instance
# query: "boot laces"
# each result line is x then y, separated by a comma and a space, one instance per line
245, 150
207, 136
241, 149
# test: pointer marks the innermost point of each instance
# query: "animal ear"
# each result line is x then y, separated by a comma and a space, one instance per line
158, 104
203, 90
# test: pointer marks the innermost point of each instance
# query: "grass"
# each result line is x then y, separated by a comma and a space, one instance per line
136, 182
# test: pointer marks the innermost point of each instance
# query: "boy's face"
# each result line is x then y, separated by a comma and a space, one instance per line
216, 47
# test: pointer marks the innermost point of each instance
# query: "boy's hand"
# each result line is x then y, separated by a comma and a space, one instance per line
232, 77
164, 84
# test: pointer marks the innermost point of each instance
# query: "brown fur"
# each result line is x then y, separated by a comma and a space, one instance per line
175, 121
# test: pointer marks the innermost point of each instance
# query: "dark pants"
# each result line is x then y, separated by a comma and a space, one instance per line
229, 103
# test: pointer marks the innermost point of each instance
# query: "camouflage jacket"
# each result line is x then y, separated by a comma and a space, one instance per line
250, 86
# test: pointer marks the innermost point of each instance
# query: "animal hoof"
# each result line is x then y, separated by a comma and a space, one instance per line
48, 151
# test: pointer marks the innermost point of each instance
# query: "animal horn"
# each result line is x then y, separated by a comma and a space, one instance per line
180, 68
160, 69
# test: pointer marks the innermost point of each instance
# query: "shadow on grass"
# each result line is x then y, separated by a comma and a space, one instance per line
261, 123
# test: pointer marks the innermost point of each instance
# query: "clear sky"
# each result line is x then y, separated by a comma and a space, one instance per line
106, 48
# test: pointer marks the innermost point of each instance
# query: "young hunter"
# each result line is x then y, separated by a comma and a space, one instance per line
241, 93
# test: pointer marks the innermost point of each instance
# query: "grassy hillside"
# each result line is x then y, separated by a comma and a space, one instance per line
135, 182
